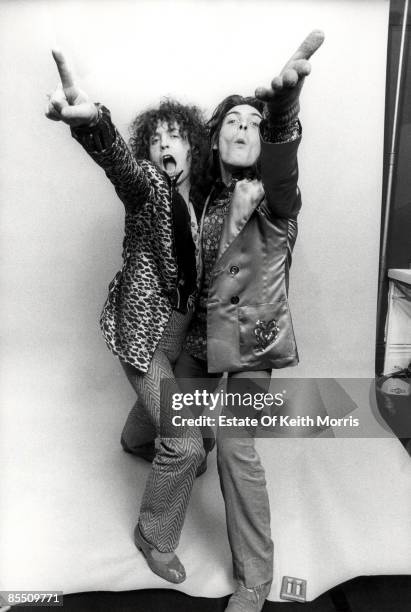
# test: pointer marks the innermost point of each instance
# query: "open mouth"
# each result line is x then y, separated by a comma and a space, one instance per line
169, 164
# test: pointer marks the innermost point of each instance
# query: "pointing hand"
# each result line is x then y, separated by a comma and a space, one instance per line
284, 91
68, 102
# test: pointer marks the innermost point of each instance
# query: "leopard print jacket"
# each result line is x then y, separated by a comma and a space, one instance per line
138, 305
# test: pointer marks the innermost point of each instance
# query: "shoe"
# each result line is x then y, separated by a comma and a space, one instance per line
173, 571
144, 451
248, 600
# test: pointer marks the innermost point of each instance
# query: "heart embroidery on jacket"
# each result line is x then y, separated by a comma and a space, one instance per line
265, 332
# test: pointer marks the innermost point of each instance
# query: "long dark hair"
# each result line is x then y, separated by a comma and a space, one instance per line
191, 122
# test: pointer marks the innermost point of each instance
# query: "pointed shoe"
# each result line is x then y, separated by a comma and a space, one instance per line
173, 571
248, 600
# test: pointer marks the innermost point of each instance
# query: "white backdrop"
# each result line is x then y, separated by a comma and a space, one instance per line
62, 223
61, 231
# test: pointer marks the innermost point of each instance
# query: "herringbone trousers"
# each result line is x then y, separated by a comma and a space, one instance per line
169, 484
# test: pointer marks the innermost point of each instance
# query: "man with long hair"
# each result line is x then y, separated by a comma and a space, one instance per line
242, 323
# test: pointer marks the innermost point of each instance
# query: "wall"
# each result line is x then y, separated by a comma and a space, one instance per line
61, 222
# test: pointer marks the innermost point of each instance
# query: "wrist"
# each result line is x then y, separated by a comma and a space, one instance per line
94, 121
99, 136
280, 117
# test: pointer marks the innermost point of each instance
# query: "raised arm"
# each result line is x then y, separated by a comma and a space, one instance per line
281, 130
91, 126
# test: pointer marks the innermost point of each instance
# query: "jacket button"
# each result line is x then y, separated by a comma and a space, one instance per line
235, 299
234, 270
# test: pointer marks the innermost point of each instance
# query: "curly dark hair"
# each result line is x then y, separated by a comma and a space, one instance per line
192, 124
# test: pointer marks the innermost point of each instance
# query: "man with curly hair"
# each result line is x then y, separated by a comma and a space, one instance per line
188, 120
151, 298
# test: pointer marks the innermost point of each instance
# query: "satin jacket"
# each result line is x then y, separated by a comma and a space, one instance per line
249, 324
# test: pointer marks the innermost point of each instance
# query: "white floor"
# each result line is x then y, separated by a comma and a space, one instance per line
69, 500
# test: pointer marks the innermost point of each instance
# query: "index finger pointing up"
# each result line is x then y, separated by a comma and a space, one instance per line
66, 77
309, 46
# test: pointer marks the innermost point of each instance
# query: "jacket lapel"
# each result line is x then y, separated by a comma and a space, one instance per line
246, 197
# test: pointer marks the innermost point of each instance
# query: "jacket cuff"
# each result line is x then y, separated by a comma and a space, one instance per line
277, 134
98, 137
